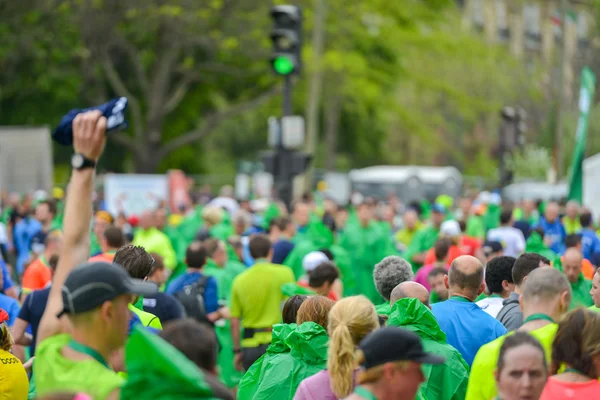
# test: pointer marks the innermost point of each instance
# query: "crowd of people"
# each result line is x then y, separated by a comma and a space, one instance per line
473, 299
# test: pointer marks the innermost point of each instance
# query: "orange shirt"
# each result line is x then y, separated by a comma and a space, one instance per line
36, 276
587, 269
453, 253
104, 257
560, 390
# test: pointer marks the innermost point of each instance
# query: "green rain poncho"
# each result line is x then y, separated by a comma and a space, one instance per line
476, 227
156, 370
366, 246
424, 240
491, 218
319, 237
294, 355
535, 244
224, 277
447, 381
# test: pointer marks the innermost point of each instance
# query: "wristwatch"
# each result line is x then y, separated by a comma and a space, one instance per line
79, 162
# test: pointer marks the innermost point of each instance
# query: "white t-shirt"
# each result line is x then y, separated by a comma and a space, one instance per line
511, 238
491, 305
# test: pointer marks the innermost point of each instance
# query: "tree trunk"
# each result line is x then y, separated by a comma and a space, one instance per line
332, 122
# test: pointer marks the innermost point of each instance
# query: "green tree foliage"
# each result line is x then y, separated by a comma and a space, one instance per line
402, 82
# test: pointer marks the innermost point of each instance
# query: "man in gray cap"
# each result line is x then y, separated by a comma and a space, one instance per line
87, 316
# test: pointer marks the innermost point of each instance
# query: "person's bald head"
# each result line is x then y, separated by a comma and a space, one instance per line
411, 290
465, 277
546, 290
572, 264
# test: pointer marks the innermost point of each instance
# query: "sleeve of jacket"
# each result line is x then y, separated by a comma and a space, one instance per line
513, 319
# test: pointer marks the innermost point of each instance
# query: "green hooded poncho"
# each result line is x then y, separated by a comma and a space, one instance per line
535, 244
320, 237
294, 355
156, 370
366, 247
447, 381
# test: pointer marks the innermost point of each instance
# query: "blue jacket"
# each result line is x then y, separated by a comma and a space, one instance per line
590, 244
555, 231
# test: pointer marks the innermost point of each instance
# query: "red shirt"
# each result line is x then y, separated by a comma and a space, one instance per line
331, 294
453, 252
469, 245
561, 390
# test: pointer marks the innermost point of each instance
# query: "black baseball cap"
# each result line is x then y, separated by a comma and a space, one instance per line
490, 247
391, 344
89, 285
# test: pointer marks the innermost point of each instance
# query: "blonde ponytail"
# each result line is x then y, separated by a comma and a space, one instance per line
340, 361
350, 320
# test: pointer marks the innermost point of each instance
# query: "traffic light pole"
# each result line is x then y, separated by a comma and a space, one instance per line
283, 178
287, 96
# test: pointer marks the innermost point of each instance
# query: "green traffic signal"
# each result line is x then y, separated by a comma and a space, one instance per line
283, 65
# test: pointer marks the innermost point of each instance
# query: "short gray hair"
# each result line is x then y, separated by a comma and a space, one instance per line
242, 217
389, 273
545, 284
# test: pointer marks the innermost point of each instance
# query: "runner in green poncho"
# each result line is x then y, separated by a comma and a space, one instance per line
425, 239
319, 237
366, 245
294, 355
447, 381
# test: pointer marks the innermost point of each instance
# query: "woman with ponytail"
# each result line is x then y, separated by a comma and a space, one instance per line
13, 378
350, 320
575, 363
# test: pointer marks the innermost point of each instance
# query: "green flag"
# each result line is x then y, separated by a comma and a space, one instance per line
586, 97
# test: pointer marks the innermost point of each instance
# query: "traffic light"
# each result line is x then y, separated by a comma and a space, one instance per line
287, 39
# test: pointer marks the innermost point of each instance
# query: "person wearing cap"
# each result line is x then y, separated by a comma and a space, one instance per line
466, 326
450, 230
256, 300
309, 263
390, 362
490, 250
512, 239
87, 316
425, 238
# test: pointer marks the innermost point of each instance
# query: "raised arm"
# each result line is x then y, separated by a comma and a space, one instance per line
88, 140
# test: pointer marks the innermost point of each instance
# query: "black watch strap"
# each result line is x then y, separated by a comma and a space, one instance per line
79, 162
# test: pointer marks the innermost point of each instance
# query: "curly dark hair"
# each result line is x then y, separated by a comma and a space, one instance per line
497, 270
